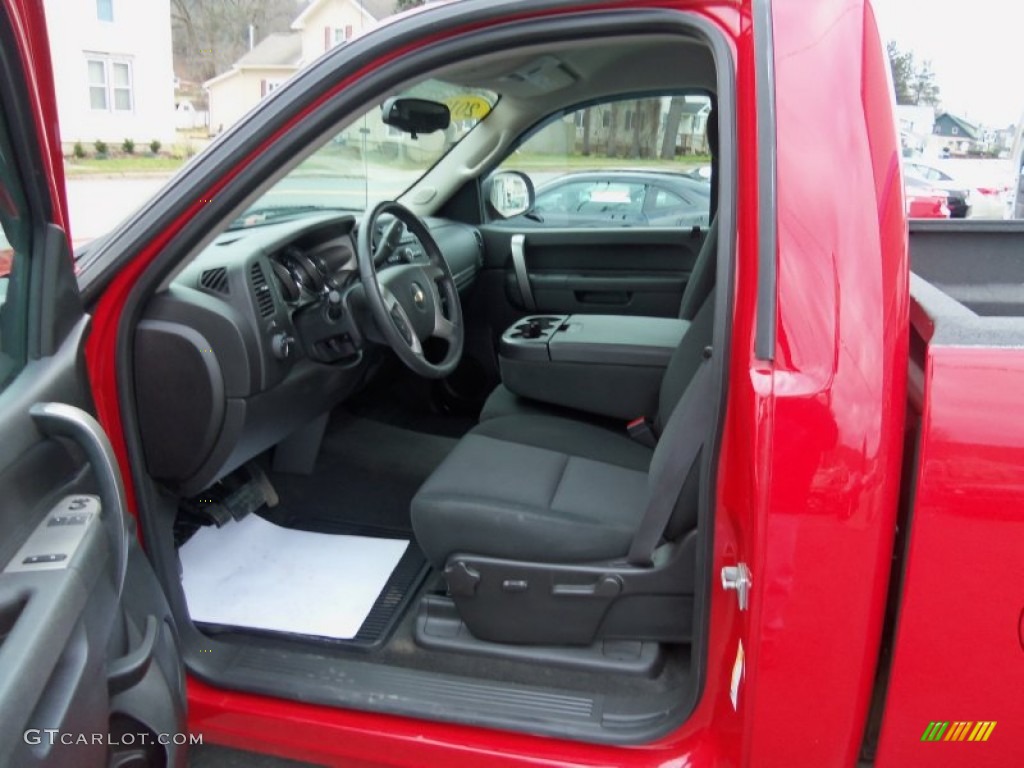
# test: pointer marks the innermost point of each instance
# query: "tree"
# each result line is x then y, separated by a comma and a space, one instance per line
675, 117
613, 131
210, 35
902, 65
925, 90
914, 83
638, 115
587, 117
650, 148
402, 5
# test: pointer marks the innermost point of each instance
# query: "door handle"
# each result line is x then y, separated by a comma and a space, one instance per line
129, 670
518, 245
60, 419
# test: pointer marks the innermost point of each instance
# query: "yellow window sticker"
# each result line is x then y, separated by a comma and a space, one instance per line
468, 107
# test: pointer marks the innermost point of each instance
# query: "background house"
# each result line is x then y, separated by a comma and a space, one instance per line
916, 126
1000, 140
958, 135
634, 128
252, 77
322, 25
112, 70
693, 123
327, 23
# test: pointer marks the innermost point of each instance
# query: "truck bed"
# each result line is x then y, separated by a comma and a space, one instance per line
978, 264
958, 620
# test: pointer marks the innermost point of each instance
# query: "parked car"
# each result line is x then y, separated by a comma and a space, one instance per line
924, 200
959, 195
979, 201
701, 173
750, 495
623, 198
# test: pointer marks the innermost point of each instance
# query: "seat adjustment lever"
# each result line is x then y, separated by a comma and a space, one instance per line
462, 580
606, 586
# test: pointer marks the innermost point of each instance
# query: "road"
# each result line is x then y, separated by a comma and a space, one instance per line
97, 205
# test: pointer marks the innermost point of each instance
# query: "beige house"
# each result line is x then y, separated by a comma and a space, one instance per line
258, 73
322, 25
327, 23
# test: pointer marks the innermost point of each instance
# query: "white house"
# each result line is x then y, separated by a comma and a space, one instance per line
187, 117
322, 25
615, 123
113, 70
916, 126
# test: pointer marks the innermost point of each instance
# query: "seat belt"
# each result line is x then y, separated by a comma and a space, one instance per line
681, 440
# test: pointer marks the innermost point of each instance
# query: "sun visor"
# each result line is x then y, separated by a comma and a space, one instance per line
544, 75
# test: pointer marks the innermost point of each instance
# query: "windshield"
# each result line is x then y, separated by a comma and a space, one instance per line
369, 161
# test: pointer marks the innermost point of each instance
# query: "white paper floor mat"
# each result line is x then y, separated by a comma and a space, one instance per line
259, 575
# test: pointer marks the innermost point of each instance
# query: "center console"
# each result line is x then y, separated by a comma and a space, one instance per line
611, 365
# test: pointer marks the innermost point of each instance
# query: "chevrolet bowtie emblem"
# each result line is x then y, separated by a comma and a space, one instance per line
419, 298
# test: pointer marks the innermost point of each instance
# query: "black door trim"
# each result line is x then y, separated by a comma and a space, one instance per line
767, 277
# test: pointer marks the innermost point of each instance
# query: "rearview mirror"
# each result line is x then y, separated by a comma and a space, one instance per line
511, 193
415, 116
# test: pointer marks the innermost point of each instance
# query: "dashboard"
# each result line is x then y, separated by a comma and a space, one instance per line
261, 334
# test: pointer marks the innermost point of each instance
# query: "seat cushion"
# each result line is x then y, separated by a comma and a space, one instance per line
504, 402
507, 499
569, 436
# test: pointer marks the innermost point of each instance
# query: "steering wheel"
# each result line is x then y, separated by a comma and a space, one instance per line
410, 302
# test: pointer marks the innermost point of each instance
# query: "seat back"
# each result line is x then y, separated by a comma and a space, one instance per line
681, 369
702, 276
684, 361
697, 306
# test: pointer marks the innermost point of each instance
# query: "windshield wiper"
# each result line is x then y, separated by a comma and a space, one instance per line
258, 216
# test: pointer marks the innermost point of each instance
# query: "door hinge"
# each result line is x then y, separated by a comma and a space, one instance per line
738, 577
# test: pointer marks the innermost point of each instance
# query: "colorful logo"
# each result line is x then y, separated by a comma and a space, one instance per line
959, 730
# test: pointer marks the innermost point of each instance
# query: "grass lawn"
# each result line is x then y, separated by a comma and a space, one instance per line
344, 164
123, 164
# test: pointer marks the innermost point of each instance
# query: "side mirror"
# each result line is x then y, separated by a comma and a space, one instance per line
415, 116
511, 193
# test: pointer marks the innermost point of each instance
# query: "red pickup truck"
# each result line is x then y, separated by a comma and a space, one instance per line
364, 443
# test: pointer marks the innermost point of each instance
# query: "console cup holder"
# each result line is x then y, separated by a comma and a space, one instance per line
534, 327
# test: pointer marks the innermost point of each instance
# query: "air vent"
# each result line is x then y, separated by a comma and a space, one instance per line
479, 239
264, 299
215, 280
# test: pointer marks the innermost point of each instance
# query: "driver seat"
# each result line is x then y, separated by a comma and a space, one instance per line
533, 518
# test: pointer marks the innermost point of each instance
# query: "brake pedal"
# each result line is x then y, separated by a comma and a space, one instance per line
242, 492
252, 494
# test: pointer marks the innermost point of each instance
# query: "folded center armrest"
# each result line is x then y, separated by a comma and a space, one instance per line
609, 365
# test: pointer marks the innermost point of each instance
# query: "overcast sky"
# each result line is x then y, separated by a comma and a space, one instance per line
976, 48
